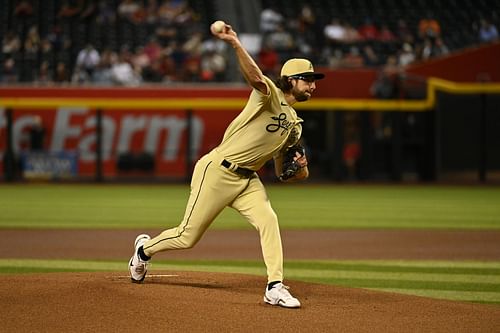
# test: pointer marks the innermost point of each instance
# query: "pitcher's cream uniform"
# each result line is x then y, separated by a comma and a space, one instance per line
266, 125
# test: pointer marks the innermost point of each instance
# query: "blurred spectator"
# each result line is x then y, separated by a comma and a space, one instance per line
353, 58
184, 14
69, 9
10, 43
105, 13
44, 76
368, 30
171, 12
191, 70
65, 54
178, 56
429, 27
214, 43
140, 59
89, 11
351, 152
80, 76
153, 72
168, 69
306, 38
427, 49
333, 58
23, 8
102, 73
431, 49
385, 34
46, 52
269, 60
122, 72
56, 37
152, 49
406, 55
9, 72
132, 11
370, 58
166, 32
213, 66
151, 16
32, 41
31, 47
37, 134
193, 44
487, 31
350, 156
335, 32
386, 84
282, 41
440, 48
404, 33
88, 59
270, 19
306, 20
61, 74
351, 34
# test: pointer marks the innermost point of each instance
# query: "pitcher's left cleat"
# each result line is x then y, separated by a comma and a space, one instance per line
138, 267
279, 295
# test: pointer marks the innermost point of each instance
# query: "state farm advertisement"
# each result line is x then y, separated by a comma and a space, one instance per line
157, 133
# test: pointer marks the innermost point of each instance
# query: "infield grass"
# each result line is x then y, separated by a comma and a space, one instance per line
298, 207
460, 281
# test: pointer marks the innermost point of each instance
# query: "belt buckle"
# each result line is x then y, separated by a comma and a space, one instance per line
246, 173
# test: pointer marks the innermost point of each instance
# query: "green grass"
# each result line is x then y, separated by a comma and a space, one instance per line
461, 281
298, 207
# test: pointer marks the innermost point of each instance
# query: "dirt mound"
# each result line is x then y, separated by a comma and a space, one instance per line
207, 302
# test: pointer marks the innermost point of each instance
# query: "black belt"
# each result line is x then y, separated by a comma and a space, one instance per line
240, 171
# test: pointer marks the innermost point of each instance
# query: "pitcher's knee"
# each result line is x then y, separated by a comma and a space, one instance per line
269, 219
187, 242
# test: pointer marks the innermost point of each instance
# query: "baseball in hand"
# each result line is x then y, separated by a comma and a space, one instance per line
218, 26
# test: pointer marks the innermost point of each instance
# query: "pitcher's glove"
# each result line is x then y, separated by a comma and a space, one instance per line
290, 165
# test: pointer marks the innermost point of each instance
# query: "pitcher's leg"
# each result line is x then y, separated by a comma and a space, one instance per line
212, 190
255, 206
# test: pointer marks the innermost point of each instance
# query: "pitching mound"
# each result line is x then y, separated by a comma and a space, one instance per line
207, 302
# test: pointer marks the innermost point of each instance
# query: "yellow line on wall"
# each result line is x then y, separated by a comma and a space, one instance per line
218, 103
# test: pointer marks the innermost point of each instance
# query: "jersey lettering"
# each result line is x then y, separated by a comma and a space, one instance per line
281, 123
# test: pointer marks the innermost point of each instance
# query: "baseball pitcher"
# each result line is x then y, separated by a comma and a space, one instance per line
267, 128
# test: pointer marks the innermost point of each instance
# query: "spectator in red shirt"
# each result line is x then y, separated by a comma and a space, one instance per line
368, 30
385, 34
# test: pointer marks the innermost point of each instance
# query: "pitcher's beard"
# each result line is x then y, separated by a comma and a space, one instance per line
301, 96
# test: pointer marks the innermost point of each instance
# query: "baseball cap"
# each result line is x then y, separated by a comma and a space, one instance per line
299, 66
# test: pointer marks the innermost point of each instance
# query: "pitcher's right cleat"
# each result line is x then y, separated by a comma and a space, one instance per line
279, 295
138, 267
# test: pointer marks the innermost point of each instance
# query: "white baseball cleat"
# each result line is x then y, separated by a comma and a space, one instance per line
138, 267
279, 295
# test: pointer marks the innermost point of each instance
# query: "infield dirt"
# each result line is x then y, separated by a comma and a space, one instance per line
208, 302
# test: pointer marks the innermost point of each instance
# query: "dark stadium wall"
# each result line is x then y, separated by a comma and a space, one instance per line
478, 64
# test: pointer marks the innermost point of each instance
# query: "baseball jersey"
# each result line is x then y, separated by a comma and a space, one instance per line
265, 125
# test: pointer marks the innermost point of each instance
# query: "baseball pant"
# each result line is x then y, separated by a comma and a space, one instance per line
213, 187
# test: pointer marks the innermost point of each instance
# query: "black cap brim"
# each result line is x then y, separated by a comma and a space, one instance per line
315, 75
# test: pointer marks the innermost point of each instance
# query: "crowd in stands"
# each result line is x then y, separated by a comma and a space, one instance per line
131, 42
138, 42
339, 44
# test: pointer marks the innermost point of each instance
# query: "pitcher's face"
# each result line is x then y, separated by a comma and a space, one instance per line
303, 87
